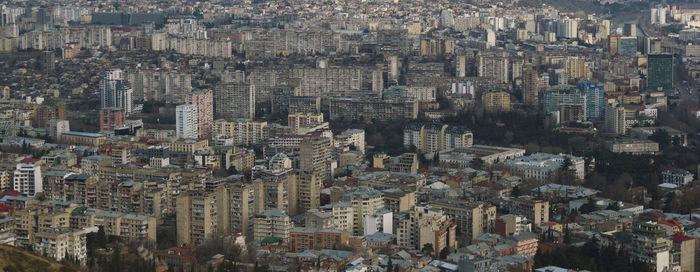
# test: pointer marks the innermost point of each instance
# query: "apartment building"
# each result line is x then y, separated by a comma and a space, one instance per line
496, 101
422, 226
27, 179
365, 201
197, 216
234, 100
243, 131
203, 100
271, 223
62, 243
535, 210
308, 238
473, 219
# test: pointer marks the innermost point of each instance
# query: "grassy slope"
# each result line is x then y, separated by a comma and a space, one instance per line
15, 259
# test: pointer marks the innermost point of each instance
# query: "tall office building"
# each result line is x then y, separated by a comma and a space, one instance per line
615, 117
196, 217
308, 190
48, 62
567, 28
234, 101
660, 72
315, 156
115, 92
494, 65
562, 94
461, 66
186, 118
530, 89
447, 18
595, 100
203, 100
28, 179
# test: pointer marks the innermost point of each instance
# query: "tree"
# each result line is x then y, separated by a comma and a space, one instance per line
477, 163
428, 249
515, 192
590, 206
662, 137
444, 252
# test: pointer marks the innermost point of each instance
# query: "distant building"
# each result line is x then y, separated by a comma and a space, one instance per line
678, 177
111, 118
562, 94
615, 117
595, 100
115, 91
422, 225
633, 146
271, 223
28, 179
660, 72
203, 100
496, 101
542, 166
186, 121
234, 101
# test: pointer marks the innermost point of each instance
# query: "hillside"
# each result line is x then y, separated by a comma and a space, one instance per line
14, 259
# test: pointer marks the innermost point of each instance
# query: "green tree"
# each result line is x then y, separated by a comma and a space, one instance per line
476, 163
428, 249
662, 137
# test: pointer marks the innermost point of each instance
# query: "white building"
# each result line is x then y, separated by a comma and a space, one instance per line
542, 166
380, 221
58, 127
186, 119
678, 177
28, 180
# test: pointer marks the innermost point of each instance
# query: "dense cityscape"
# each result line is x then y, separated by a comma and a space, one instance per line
349, 135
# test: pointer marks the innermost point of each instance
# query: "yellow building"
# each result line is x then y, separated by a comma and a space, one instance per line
496, 101
242, 131
365, 201
196, 218
82, 138
423, 226
186, 145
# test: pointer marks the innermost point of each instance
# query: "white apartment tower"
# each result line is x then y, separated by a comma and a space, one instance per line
27, 179
186, 119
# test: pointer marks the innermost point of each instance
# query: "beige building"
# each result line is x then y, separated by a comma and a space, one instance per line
397, 200
496, 101
535, 210
422, 226
237, 208
271, 223
308, 190
129, 227
243, 131
196, 218
82, 138
342, 214
365, 201
473, 219
61, 243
